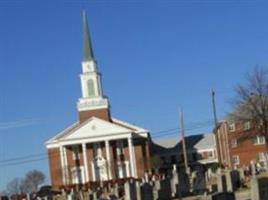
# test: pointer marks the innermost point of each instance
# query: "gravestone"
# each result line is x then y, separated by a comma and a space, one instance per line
221, 181
183, 187
236, 179
241, 173
259, 188
156, 188
229, 181
165, 190
223, 196
86, 195
115, 190
146, 192
138, 190
130, 190
174, 182
199, 183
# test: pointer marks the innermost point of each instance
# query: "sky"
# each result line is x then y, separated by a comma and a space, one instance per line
155, 57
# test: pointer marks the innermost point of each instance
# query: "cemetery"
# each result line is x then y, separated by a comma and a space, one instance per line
219, 185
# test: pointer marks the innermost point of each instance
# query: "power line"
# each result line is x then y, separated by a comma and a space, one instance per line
44, 156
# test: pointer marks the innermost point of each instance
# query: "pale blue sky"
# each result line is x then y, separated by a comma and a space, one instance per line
155, 57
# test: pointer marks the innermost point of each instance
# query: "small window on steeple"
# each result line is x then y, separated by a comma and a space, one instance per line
91, 88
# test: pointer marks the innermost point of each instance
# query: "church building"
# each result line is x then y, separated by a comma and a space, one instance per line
97, 147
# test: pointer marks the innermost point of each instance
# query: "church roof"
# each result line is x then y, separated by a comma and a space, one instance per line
96, 128
193, 143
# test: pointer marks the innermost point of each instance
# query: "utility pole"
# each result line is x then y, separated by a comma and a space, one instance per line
216, 125
184, 144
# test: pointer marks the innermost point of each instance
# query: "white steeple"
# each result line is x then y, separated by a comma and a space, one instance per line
92, 96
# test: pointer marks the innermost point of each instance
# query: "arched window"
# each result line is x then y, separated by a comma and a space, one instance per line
91, 88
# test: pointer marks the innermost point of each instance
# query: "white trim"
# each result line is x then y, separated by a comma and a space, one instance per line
259, 140
237, 160
204, 150
232, 127
62, 133
247, 125
89, 140
126, 124
234, 143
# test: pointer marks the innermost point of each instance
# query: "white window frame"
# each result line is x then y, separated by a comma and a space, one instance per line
236, 159
259, 140
210, 154
232, 127
75, 173
247, 125
261, 156
233, 143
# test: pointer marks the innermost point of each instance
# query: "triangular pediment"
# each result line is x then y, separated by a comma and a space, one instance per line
95, 127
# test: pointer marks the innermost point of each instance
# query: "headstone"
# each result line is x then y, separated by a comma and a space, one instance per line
146, 192
28, 197
146, 177
174, 182
199, 183
241, 173
183, 186
221, 181
223, 196
259, 188
115, 190
253, 168
86, 195
138, 191
130, 190
165, 190
156, 188
229, 182
236, 179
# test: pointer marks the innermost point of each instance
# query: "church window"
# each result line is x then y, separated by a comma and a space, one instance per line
76, 152
91, 88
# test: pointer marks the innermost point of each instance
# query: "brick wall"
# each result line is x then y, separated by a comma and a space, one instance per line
239, 145
99, 113
55, 168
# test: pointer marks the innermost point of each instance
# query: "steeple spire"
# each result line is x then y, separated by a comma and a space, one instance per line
88, 51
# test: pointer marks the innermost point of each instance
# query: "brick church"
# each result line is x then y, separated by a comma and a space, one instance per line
97, 147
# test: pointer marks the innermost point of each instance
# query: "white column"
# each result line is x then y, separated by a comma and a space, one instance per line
93, 171
131, 158
134, 160
66, 165
62, 165
108, 157
84, 149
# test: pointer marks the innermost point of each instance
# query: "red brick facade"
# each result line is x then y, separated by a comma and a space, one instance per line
141, 150
240, 143
55, 167
99, 113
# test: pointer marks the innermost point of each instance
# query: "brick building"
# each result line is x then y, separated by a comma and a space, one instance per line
240, 143
97, 147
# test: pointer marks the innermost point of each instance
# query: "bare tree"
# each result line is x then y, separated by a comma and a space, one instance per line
33, 179
13, 187
251, 101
